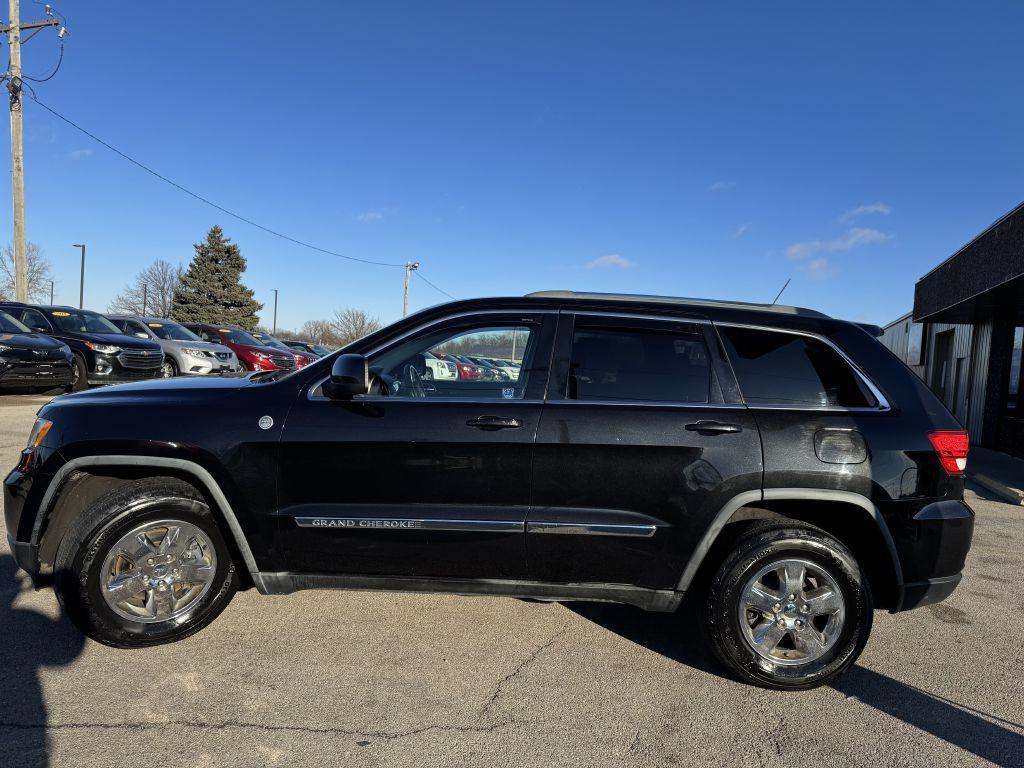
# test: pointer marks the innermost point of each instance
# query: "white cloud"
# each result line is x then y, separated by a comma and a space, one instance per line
80, 154
371, 216
853, 214
721, 186
819, 268
852, 238
611, 260
741, 230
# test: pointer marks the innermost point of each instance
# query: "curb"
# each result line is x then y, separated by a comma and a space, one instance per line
1010, 494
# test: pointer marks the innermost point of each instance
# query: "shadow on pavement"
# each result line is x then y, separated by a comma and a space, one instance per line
987, 736
28, 642
672, 635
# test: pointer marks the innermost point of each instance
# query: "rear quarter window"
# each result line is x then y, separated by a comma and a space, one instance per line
780, 368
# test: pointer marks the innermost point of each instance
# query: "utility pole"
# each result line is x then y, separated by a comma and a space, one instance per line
81, 280
409, 267
51, 293
274, 332
14, 83
145, 296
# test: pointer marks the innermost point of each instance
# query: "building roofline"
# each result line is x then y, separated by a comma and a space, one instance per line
973, 240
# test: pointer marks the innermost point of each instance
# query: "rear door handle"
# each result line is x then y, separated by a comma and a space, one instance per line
713, 427
494, 422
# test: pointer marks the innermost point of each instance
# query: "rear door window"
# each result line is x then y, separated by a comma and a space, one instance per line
656, 363
780, 368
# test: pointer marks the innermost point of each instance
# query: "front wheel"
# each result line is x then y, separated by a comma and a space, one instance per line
145, 564
789, 608
79, 374
169, 369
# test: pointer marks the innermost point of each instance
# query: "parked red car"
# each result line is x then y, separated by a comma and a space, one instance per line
253, 355
302, 358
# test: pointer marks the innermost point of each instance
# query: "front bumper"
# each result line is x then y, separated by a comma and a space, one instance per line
205, 366
933, 548
109, 369
56, 373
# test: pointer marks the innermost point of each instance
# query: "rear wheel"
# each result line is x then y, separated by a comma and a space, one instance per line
789, 608
145, 564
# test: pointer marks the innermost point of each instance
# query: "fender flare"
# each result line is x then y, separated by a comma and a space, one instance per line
788, 494
181, 465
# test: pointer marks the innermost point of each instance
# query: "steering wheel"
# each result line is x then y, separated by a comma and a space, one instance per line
413, 381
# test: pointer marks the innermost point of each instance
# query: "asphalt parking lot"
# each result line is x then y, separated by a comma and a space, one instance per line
369, 679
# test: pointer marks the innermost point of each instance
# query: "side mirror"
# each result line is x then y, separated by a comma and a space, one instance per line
350, 376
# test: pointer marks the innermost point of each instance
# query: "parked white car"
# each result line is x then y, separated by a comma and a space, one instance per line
440, 369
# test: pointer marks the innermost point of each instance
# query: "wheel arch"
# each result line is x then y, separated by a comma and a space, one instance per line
850, 517
101, 473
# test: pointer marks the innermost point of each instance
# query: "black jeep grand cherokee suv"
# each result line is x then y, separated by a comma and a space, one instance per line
781, 465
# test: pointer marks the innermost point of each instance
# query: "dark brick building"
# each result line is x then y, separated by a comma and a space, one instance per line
966, 332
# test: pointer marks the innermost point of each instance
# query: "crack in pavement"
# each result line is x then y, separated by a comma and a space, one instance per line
336, 730
225, 724
519, 669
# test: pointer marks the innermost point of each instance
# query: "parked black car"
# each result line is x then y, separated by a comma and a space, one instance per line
32, 360
102, 354
780, 466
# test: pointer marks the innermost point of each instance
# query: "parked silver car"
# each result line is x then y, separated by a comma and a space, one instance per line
184, 352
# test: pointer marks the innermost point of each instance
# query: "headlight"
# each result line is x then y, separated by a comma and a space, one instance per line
261, 355
195, 352
39, 430
106, 349
5, 348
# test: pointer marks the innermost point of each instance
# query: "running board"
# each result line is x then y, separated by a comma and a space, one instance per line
285, 582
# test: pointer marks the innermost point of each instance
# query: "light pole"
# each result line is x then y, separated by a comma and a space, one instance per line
51, 293
274, 332
409, 267
81, 280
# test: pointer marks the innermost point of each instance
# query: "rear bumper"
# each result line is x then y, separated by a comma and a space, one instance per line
933, 547
25, 555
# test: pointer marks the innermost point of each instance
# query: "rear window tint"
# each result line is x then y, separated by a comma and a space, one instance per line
778, 368
639, 365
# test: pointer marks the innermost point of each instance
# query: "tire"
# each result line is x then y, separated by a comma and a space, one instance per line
812, 649
80, 375
88, 547
169, 368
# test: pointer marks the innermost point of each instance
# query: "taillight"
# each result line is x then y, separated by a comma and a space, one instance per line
951, 446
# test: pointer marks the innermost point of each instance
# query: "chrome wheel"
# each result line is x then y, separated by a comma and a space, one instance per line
791, 612
158, 571
167, 370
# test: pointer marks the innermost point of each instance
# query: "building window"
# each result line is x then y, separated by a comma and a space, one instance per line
1014, 401
915, 344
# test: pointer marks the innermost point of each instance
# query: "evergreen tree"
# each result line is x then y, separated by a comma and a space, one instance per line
211, 290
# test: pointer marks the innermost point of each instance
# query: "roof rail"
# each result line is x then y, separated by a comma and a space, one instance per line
782, 309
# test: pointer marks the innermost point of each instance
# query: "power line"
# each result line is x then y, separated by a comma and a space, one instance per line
209, 202
439, 290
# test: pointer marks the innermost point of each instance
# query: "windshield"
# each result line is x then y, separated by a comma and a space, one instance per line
9, 325
82, 321
269, 341
172, 332
321, 350
238, 337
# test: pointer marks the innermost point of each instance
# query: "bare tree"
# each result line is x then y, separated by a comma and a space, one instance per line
351, 324
319, 332
152, 291
39, 273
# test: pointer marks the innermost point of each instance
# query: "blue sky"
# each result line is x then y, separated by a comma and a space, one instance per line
709, 150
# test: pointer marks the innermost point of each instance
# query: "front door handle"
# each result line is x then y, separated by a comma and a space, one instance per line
713, 427
494, 422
